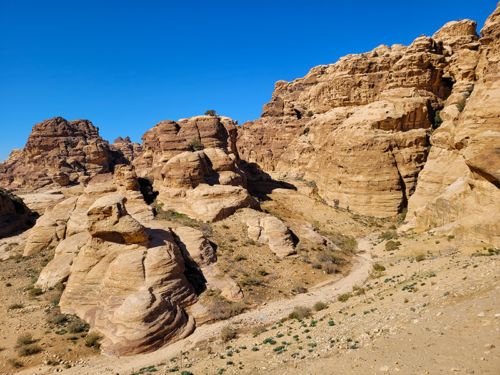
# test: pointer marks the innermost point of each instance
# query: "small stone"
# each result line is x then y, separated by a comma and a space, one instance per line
384, 369
481, 314
489, 346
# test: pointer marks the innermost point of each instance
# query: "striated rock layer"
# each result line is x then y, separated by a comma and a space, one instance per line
63, 152
195, 167
458, 190
359, 128
128, 282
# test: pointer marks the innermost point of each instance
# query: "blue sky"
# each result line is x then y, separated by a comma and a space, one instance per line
126, 65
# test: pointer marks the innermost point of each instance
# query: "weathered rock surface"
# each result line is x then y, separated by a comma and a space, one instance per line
57, 151
458, 191
58, 269
128, 282
359, 128
199, 253
14, 214
123, 151
272, 231
195, 166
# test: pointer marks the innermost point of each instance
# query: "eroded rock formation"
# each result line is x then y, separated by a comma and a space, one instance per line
272, 231
128, 282
195, 166
359, 128
459, 187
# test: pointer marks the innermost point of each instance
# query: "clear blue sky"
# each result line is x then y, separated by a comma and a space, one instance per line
126, 65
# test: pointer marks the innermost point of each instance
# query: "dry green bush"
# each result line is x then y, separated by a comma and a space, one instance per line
318, 306
14, 362
300, 312
344, 297
77, 326
93, 340
27, 350
227, 333
35, 292
24, 339
299, 287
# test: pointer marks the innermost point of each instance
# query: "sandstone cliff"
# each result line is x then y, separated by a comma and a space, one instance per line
359, 128
459, 187
63, 152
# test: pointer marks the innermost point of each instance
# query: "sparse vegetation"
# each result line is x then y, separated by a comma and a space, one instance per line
392, 245
196, 144
299, 287
35, 292
227, 333
27, 350
300, 312
318, 306
93, 340
15, 363
344, 297
16, 306
437, 120
24, 339
210, 112
461, 105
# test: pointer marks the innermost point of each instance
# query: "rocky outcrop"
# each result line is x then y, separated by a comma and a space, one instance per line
128, 282
458, 191
14, 214
123, 151
57, 151
272, 231
195, 166
359, 128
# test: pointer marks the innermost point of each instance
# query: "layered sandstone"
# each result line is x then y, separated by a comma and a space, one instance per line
128, 282
273, 232
60, 152
359, 128
195, 167
458, 191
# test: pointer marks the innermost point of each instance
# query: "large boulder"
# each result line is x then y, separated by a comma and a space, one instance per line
128, 282
272, 231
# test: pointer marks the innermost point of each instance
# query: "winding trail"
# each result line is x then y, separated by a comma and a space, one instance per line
266, 314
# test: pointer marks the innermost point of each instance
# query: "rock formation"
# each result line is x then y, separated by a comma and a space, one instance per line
57, 151
272, 231
195, 166
123, 151
459, 187
14, 215
359, 128
128, 282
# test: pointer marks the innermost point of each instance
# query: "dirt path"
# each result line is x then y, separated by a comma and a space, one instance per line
266, 314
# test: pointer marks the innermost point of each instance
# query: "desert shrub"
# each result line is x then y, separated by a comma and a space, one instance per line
336, 203
76, 326
420, 257
450, 237
358, 290
306, 131
93, 340
237, 308
328, 267
378, 267
318, 306
300, 312
15, 363
309, 114
299, 287
251, 242
16, 306
8, 284
316, 263
350, 244
219, 309
262, 272
225, 226
239, 257
344, 297
24, 339
232, 239
206, 229
35, 292
392, 245
437, 120
254, 280
56, 317
227, 333
27, 350
461, 105
210, 112
389, 235
196, 144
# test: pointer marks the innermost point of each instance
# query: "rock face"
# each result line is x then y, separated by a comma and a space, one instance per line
57, 151
458, 190
128, 282
14, 215
123, 151
272, 231
195, 166
359, 128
